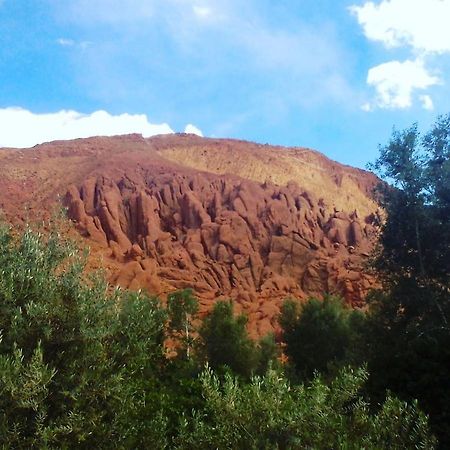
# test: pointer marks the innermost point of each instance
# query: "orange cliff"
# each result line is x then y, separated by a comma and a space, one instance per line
230, 219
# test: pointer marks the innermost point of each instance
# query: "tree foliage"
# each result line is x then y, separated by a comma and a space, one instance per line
408, 330
78, 364
415, 240
85, 366
225, 342
320, 335
182, 306
270, 413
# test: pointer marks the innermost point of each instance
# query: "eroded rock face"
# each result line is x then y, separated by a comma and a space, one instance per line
225, 238
229, 219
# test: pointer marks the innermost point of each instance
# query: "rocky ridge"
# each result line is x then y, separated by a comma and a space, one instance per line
227, 218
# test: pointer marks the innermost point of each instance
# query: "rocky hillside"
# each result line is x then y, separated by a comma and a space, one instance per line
230, 219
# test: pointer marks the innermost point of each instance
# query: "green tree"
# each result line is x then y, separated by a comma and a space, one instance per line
182, 307
79, 366
415, 240
408, 330
269, 413
224, 341
268, 354
319, 334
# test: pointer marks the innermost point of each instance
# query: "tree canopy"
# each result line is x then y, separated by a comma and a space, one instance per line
85, 366
409, 330
320, 335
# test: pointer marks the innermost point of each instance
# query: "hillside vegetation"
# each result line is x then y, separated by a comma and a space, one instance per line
82, 367
84, 364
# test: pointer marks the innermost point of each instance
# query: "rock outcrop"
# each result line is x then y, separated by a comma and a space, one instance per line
239, 235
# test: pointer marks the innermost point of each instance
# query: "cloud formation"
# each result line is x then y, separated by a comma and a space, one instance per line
396, 81
65, 42
202, 12
23, 128
192, 129
421, 26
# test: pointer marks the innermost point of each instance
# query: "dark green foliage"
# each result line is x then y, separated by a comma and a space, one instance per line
269, 413
225, 342
181, 308
416, 236
82, 366
268, 353
408, 331
320, 335
77, 364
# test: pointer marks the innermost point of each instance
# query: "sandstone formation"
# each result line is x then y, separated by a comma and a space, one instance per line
227, 218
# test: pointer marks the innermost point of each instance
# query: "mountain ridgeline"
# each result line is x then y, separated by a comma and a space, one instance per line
229, 219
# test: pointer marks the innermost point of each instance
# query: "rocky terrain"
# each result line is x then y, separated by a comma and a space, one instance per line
230, 219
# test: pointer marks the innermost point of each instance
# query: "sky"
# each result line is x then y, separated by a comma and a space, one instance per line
333, 75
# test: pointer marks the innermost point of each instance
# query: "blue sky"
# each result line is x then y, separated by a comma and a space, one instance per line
331, 75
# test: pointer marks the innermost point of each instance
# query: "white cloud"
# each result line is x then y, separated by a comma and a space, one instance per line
192, 129
65, 42
202, 12
420, 24
22, 128
395, 83
427, 102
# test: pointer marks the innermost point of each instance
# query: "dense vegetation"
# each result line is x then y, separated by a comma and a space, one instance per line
320, 336
408, 335
83, 367
86, 366
405, 335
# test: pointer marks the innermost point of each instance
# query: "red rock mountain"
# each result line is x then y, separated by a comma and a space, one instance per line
230, 219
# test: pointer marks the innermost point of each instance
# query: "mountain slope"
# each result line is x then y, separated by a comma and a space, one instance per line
230, 219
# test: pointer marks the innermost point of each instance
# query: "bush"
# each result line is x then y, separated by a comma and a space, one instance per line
224, 341
78, 364
320, 335
270, 413
84, 366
